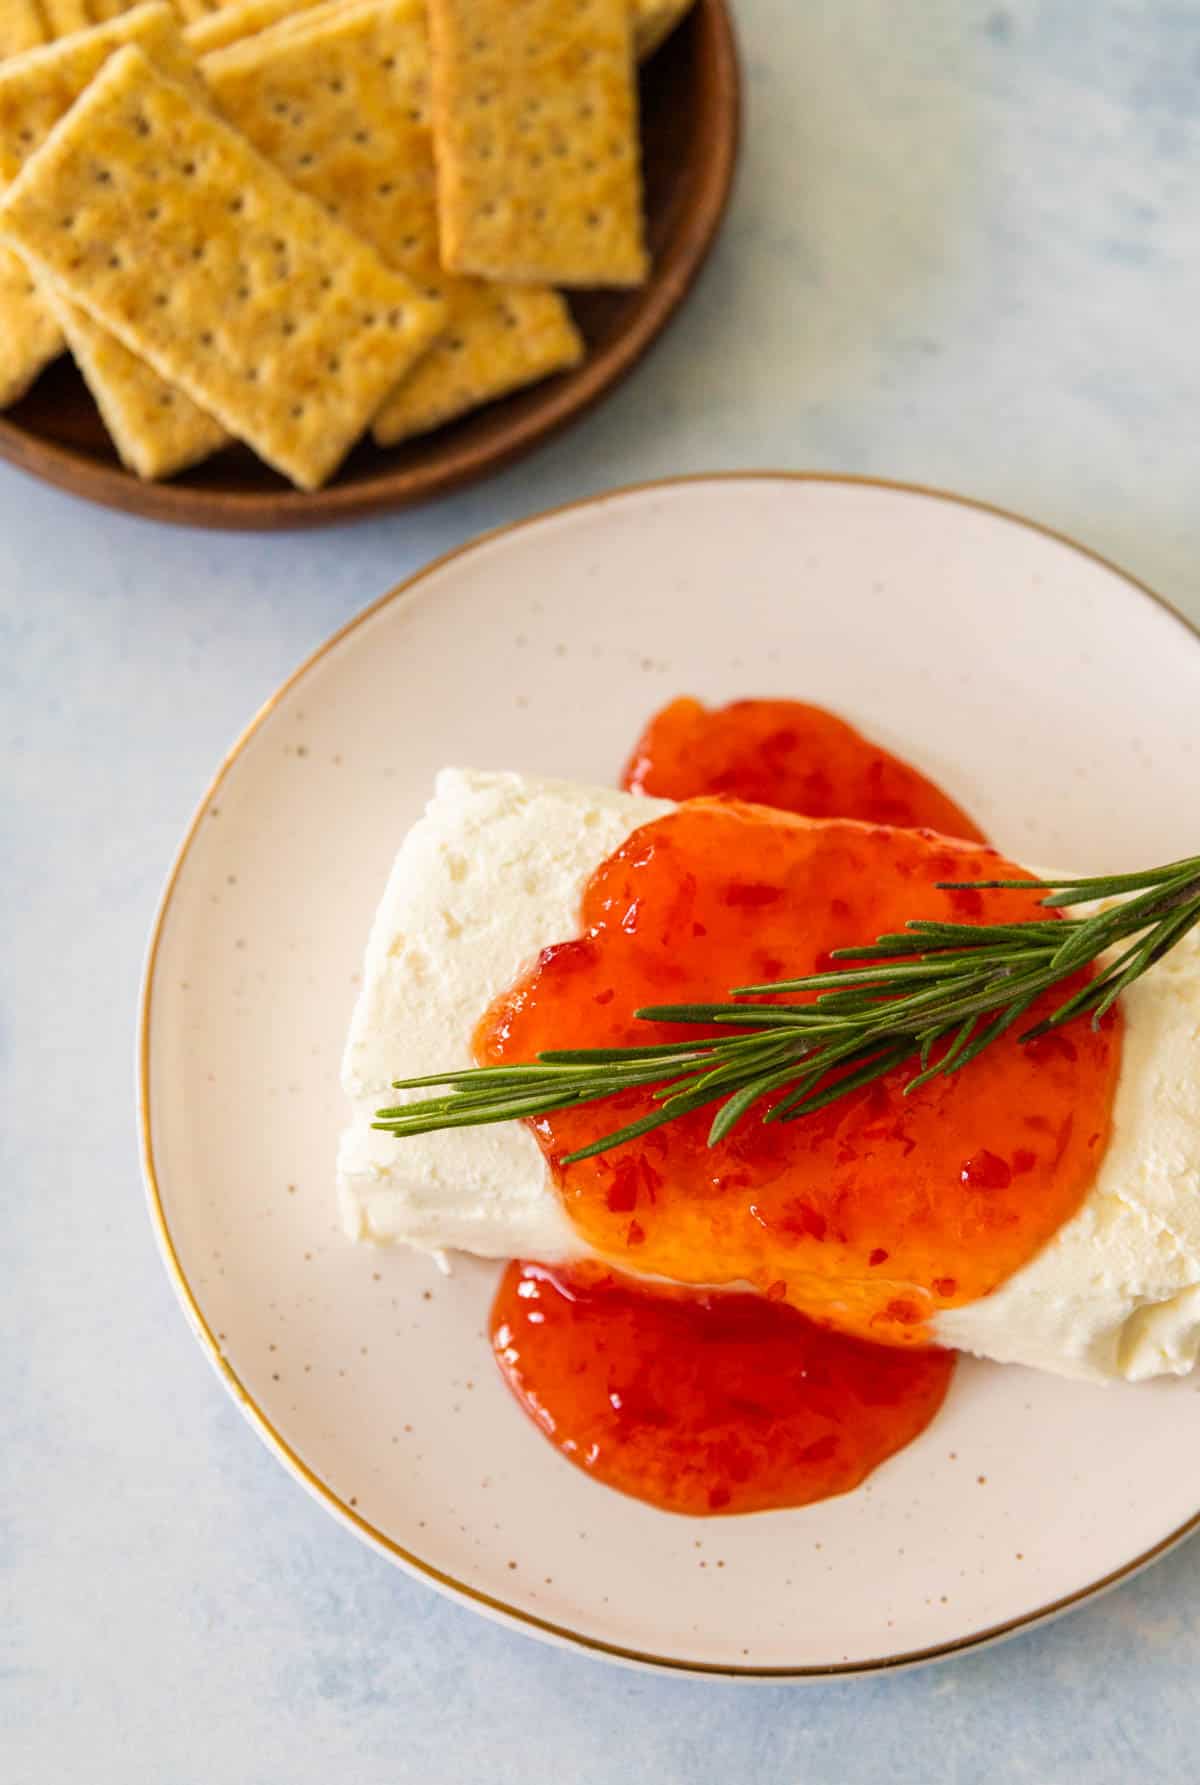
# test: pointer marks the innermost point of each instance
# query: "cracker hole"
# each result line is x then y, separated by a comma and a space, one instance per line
334, 363
206, 337
385, 189
166, 399
287, 326
152, 213
395, 318
362, 136
160, 300
237, 204
336, 85
187, 169
389, 62
103, 177
297, 411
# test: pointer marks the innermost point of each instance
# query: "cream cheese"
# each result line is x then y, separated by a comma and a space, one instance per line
491, 875
495, 871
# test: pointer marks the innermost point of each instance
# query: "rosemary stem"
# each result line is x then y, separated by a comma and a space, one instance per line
936, 994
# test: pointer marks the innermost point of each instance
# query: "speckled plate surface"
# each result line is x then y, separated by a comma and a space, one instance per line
1009, 664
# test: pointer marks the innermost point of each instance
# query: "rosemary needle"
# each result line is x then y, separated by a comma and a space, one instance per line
934, 994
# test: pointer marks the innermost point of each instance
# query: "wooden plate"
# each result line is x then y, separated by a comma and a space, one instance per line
690, 101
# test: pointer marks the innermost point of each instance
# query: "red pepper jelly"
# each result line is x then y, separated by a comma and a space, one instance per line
880, 1209
854, 1224
786, 754
705, 1403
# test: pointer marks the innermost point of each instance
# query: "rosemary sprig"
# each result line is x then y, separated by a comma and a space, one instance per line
937, 994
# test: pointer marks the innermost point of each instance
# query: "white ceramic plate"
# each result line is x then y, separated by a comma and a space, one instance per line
1056, 699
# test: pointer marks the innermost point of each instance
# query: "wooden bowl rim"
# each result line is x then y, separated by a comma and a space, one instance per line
562, 401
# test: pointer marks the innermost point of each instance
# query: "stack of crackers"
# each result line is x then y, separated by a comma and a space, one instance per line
286, 223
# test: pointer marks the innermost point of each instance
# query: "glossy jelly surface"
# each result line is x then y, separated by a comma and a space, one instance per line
873, 1213
705, 1404
788, 754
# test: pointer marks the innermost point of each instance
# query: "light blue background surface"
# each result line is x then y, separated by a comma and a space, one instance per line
965, 249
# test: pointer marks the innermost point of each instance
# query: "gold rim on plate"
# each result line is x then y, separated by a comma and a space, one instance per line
461, 1590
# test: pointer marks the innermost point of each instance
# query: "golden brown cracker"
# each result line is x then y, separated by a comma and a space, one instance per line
37, 89
63, 17
29, 336
536, 138
502, 337
169, 229
227, 24
340, 102
312, 19
21, 27
193, 11
217, 30
156, 429
35, 92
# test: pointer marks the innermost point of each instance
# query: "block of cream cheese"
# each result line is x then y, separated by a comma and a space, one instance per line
494, 872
